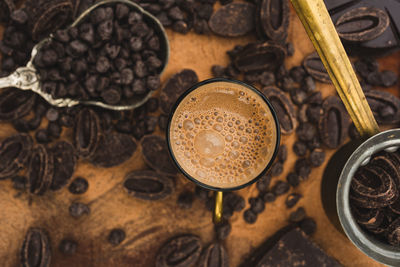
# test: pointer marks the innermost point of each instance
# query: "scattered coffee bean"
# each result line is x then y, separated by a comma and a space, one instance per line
78, 209
280, 188
116, 236
78, 186
249, 216
222, 230
68, 246
292, 199
297, 215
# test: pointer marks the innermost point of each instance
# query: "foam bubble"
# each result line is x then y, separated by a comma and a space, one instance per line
209, 143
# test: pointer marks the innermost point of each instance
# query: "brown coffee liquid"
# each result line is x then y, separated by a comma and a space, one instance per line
223, 134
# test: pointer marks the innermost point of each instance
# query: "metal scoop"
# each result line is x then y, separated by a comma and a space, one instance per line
27, 78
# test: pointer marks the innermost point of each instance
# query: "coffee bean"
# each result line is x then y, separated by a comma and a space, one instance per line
306, 132
300, 148
292, 199
276, 169
78, 186
314, 67
263, 183
297, 215
269, 197
280, 188
308, 226
116, 236
68, 246
185, 200
40, 170
302, 168
249, 216
78, 209
293, 179
222, 230
317, 157
257, 204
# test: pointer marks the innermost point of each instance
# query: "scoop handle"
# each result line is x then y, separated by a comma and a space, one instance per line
23, 78
319, 27
217, 218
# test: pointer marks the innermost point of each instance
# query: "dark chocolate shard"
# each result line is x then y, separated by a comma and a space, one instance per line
175, 86
234, 19
15, 104
116, 148
295, 249
314, 66
36, 250
274, 18
384, 106
148, 185
156, 155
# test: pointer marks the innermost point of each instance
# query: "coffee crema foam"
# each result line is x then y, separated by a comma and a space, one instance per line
223, 134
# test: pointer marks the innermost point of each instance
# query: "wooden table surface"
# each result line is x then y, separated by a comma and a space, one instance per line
149, 223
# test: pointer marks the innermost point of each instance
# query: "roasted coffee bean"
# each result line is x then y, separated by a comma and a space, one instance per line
263, 183
297, 215
293, 179
260, 57
116, 236
116, 148
222, 230
315, 99
41, 170
297, 73
234, 201
232, 20
87, 133
256, 204
249, 216
389, 78
284, 109
274, 18
308, 84
15, 152
306, 132
269, 197
292, 199
298, 96
308, 226
182, 250
276, 169
334, 123
15, 104
78, 209
214, 255
78, 186
148, 185
314, 113
314, 66
174, 87
185, 200
282, 153
68, 246
280, 188
156, 155
36, 251
302, 168
317, 157
384, 106
300, 148
362, 24
64, 159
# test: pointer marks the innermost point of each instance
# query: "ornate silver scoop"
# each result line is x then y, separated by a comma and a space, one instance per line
27, 78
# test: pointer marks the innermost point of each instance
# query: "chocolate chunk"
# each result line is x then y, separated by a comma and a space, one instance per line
295, 249
232, 20
273, 19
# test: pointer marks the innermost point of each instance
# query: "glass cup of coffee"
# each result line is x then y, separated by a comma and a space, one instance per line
223, 135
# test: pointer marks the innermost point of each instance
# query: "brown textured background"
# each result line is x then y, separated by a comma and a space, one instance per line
149, 223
